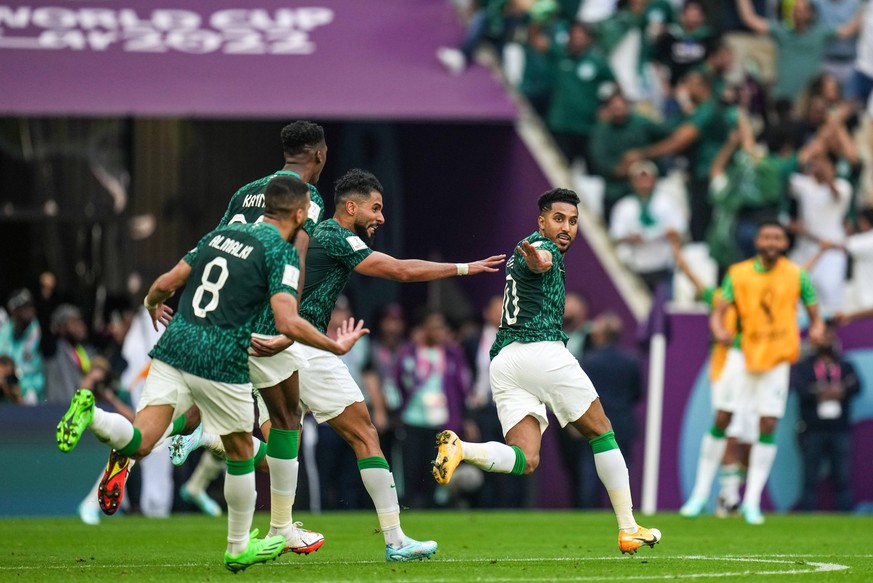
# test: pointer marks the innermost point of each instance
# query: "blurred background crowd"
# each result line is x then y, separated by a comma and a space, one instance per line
690, 121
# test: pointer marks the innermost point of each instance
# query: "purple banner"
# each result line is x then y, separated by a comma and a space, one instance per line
327, 59
688, 414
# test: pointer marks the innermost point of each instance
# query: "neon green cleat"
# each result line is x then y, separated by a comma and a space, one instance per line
76, 420
259, 550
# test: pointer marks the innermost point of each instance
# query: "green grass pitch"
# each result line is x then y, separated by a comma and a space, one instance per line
474, 546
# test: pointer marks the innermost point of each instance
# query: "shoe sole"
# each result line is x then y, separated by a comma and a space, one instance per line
441, 472
70, 428
405, 559
649, 543
235, 567
176, 458
110, 492
304, 550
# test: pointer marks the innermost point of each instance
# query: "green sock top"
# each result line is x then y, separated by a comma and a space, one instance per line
374, 462
283, 443
605, 442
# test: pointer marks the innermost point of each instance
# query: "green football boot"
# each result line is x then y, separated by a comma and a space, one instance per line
259, 550
76, 420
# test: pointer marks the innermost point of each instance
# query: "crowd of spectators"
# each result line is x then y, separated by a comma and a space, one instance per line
743, 110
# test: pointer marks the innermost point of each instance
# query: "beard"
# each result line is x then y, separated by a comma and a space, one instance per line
361, 231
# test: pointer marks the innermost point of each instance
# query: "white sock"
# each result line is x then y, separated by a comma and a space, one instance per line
213, 443
379, 483
91, 500
612, 471
711, 453
283, 488
491, 456
206, 471
111, 428
729, 480
761, 459
239, 492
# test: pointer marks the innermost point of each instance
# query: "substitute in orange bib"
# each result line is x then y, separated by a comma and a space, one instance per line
765, 291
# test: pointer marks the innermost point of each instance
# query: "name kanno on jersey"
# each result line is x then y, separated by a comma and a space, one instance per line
333, 254
235, 270
247, 206
533, 303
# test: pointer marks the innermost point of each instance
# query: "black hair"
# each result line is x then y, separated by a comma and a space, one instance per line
698, 3
284, 195
772, 222
299, 136
704, 76
867, 213
548, 198
778, 137
355, 183
424, 314
583, 26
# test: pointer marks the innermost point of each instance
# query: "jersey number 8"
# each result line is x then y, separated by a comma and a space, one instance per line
213, 287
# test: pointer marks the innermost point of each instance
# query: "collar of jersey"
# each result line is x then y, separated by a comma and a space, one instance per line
271, 225
759, 267
289, 173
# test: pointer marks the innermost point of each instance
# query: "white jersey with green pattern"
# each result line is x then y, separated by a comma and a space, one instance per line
247, 206
333, 254
235, 270
533, 303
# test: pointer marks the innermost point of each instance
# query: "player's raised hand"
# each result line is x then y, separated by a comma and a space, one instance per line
486, 265
349, 333
161, 313
537, 260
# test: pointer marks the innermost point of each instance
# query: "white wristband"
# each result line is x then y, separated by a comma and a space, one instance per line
463, 268
148, 306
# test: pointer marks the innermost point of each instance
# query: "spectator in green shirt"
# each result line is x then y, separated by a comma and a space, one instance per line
700, 135
801, 49
617, 131
581, 73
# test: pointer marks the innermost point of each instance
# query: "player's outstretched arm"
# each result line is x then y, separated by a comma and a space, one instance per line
162, 289
537, 260
407, 270
289, 323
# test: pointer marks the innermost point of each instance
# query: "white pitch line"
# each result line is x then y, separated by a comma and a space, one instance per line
819, 567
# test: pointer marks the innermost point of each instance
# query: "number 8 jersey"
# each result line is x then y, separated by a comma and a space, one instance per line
533, 303
235, 270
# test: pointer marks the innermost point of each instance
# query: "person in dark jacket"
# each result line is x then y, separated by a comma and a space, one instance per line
617, 374
826, 383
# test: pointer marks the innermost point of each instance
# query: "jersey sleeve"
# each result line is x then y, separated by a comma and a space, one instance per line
350, 250
707, 296
283, 270
727, 289
191, 256
807, 290
316, 211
